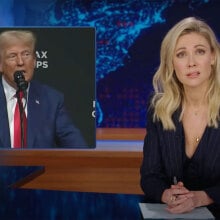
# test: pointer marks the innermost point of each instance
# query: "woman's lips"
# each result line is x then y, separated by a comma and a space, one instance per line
193, 74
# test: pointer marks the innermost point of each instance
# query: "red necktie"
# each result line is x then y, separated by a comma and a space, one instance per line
17, 126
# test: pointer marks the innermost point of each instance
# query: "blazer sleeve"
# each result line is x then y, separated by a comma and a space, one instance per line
214, 193
210, 163
67, 134
153, 180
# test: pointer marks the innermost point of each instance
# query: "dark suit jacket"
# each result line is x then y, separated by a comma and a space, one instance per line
164, 158
48, 122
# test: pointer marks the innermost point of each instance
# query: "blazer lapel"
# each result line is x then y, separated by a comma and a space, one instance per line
177, 148
33, 112
4, 125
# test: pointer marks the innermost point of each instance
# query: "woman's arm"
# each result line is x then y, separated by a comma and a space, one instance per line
153, 180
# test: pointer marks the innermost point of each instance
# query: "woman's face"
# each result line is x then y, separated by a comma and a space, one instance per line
192, 60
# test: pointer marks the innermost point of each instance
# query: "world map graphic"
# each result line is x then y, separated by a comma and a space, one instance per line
128, 36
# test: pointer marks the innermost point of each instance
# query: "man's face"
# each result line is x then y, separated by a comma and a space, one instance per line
17, 56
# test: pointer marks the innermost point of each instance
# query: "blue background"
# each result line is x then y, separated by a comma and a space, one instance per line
128, 37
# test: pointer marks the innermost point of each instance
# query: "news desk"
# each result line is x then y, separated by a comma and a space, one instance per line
99, 183
74, 184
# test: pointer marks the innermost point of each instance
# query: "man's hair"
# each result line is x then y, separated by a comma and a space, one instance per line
9, 36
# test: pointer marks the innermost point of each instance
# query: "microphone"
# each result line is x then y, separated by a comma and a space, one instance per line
19, 79
22, 85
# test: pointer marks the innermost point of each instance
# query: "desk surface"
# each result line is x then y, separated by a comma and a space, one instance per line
15, 176
95, 180
106, 169
135, 134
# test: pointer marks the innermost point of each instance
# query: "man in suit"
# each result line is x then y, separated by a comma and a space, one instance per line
48, 124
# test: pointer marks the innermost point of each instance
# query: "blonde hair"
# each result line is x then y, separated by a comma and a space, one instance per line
169, 93
10, 36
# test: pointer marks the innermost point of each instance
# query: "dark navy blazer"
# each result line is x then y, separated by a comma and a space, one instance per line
164, 158
48, 122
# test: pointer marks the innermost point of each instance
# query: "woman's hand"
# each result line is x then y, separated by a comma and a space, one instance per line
183, 205
180, 200
175, 195
194, 199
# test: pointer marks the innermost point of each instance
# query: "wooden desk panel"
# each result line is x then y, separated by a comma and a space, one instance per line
120, 133
80, 170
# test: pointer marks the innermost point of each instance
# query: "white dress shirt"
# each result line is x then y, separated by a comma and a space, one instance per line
11, 100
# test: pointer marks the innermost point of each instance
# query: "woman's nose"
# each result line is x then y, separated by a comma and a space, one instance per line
191, 60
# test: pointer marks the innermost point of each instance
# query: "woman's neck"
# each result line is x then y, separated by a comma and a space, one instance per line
195, 97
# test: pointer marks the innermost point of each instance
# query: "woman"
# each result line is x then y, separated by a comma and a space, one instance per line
181, 163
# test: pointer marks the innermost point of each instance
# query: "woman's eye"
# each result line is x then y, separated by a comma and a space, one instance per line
180, 54
200, 51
